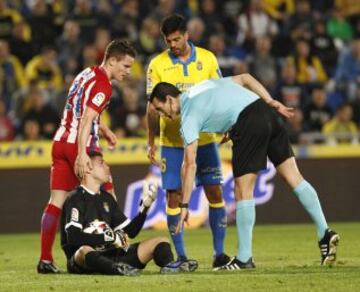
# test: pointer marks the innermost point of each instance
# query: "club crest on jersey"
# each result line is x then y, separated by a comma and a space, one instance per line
199, 66
98, 99
106, 207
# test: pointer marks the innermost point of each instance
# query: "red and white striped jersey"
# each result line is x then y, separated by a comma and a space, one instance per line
90, 88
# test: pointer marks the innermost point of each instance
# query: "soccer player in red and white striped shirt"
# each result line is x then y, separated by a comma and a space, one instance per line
88, 97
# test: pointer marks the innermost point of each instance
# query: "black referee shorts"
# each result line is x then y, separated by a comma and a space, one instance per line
116, 254
258, 133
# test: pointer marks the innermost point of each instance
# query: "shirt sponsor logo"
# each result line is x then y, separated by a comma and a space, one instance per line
98, 99
170, 68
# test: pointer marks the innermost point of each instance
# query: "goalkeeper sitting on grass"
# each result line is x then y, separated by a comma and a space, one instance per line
95, 232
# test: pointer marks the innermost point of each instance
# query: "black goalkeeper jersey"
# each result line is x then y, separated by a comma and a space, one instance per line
82, 209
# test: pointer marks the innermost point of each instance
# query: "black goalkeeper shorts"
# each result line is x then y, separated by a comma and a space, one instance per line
116, 254
258, 133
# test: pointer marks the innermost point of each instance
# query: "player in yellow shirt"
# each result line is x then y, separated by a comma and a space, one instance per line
184, 65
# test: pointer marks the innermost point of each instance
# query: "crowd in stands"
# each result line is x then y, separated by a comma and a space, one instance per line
306, 53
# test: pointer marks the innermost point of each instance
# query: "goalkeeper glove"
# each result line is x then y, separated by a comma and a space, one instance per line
121, 239
148, 196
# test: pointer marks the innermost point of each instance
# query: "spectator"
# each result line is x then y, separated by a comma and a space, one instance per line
89, 56
263, 65
104, 13
41, 112
30, 131
317, 112
19, 102
323, 46
240, 67
303, 16
102, 39
41, 22
12, 74
210, 15
288, 90
347, 74
69, 47
129, 119
225, 59
295, 127
309, 67
59, 101
20, 46
6, 126
253, 24
87, 18
149, 37
348, 7
196, 30
44, 69
341, 129
8, 18
127, 22
163, 9
279, 10
338, 27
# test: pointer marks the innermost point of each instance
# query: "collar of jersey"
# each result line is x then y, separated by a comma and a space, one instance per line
102, 71
175, 59
87, 190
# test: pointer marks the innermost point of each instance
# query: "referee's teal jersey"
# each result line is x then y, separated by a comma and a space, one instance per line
212, 106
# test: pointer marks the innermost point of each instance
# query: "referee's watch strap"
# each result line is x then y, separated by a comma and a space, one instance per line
184, 205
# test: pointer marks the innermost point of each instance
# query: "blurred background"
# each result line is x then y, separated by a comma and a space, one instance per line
306, 53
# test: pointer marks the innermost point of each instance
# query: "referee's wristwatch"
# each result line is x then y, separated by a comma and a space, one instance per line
184, 205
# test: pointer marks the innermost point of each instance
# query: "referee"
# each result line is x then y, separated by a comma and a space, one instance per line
242, 107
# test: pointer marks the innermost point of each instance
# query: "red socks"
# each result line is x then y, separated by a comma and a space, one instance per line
49, 223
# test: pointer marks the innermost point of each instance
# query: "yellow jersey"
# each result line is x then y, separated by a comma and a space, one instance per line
166, 67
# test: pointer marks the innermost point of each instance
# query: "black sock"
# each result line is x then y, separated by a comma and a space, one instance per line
163, 254
97, 262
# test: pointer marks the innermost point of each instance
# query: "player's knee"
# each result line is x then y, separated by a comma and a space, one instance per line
58, 197
173, 199
214, 194
293, 181
292, 177
243, 191
83, 251
162, 253
159, 239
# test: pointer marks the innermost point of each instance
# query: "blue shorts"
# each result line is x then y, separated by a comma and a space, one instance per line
208, 166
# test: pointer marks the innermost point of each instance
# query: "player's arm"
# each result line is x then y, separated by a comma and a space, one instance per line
83, 162
152, 117
188, 178
95, 105
153, 122
134, 226
130, 227
108, 135
251, 83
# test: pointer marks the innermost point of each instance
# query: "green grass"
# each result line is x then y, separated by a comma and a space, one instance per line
287, 259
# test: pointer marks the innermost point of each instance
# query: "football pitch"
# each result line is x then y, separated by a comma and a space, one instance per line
287, 259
